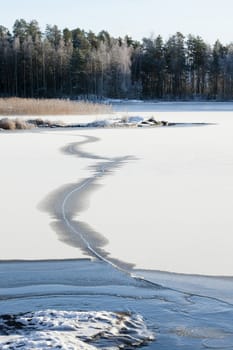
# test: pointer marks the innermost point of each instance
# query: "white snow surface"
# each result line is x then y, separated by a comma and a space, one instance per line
32, 165
173, 200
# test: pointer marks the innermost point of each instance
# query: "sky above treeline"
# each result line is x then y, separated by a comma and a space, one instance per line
209, 19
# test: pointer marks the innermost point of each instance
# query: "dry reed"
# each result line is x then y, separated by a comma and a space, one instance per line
31, 106
13, 124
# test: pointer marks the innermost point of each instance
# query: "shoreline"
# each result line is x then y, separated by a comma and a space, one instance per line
11, 124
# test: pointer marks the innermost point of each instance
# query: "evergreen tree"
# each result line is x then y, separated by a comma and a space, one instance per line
77, 63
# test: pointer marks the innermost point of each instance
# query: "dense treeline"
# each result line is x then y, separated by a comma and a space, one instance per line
71, 63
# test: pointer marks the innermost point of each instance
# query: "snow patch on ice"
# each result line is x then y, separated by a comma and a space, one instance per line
53, 329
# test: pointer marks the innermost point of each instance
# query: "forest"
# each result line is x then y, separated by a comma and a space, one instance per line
79, 64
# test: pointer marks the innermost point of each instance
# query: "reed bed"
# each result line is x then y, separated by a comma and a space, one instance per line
30, 106
13, 124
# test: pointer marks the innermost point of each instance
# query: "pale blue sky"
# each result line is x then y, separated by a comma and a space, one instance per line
210, 19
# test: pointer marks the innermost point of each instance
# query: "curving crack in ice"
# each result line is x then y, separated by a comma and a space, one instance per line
68, 223
64, 204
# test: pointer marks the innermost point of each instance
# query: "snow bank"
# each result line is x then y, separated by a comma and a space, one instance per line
51, 329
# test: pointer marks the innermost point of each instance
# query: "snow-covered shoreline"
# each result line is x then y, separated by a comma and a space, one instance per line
127, 121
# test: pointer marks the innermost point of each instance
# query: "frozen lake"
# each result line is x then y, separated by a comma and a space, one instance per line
141, 106
152, 201
166, 207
